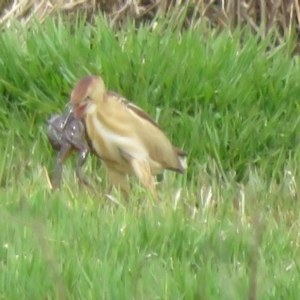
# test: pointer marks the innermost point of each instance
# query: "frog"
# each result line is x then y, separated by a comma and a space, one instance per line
66, 134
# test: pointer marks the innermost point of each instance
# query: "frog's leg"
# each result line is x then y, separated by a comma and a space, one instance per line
76, 137
62, 156
83, 154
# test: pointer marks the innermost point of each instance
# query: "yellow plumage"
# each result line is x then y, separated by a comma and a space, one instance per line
125, 137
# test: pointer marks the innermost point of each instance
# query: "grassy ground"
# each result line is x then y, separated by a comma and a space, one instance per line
228, 229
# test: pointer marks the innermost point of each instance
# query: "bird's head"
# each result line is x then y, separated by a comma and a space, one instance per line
88, 91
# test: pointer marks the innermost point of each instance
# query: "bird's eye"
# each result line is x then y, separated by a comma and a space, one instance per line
88, 98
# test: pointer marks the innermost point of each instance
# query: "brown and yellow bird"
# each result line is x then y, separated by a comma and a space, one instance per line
126, 139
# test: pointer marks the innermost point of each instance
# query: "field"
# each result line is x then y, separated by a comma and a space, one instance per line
227, 229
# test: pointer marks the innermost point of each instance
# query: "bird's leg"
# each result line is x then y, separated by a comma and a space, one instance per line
142, 171
63, 154
119, 181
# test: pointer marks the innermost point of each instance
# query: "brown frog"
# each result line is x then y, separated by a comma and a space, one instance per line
66, 133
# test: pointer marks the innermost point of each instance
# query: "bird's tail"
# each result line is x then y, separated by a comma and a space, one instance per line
182, 156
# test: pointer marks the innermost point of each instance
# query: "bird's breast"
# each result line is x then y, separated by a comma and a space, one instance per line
117, 148
100, 139
107, 142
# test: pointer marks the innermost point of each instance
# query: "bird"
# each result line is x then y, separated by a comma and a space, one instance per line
126, 139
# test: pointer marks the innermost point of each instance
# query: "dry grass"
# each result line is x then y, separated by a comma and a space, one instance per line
261, 15
282, 17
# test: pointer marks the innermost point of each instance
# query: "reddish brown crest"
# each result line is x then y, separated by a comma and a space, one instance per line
81, 88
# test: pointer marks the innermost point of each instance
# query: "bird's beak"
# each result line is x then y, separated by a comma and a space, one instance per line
70, 111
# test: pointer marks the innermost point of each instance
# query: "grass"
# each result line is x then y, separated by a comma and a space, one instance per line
228, 229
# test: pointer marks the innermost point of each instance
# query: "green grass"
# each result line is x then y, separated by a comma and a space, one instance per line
232, 105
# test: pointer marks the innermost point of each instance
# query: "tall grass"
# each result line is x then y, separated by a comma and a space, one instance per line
234, 98
226, 230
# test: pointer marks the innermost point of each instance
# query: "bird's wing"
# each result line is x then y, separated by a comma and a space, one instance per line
149, 134
159, 147
137, 110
